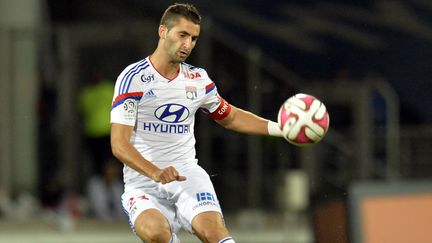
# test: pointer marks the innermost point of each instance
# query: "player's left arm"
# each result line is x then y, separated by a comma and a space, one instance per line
234, 118
247, 122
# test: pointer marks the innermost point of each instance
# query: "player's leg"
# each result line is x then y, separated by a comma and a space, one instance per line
151, 217
152, 227
210, 227
198, 208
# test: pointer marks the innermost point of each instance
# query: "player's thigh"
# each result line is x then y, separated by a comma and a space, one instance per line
145, 210
194, 196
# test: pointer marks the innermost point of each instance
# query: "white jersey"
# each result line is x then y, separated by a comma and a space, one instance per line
163, 112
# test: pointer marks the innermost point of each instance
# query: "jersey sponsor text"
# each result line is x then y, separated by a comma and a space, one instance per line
166, 128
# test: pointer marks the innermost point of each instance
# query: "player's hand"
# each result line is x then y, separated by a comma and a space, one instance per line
167, 175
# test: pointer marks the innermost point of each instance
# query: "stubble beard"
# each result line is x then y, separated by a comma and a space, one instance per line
177, 58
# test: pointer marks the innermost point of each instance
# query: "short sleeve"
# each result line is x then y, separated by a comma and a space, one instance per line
214, 105
128, 92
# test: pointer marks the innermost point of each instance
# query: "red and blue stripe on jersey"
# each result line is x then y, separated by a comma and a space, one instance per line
121, 98
210, 87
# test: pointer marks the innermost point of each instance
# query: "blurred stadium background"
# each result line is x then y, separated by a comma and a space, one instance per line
369, 61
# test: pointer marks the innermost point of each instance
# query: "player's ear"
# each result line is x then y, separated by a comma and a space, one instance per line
163, 30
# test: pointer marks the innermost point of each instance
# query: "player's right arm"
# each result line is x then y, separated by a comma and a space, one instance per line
123, 150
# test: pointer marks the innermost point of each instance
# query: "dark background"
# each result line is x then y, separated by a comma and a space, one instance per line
397, 45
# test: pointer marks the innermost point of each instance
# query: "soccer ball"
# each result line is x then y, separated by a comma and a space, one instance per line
303, 119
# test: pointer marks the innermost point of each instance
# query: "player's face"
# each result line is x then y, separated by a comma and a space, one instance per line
181, 39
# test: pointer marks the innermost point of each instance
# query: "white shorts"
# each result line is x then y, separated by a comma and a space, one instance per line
178, 201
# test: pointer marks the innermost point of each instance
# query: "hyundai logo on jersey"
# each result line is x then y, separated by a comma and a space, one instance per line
166, 128
172, 113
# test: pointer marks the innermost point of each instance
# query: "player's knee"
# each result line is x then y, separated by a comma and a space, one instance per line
154, 234
211, 231
153, 231
215, 234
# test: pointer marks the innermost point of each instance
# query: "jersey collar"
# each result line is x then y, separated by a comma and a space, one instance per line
168, 79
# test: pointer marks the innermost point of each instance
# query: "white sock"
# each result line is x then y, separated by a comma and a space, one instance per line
174, 239
228, 239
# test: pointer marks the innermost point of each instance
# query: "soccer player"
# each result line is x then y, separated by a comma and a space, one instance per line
152, 133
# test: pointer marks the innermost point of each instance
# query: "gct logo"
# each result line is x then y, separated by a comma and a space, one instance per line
172, 113
148, 78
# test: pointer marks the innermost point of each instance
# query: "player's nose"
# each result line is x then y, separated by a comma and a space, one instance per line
187, 44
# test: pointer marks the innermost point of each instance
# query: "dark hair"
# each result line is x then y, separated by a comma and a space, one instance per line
177, 10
